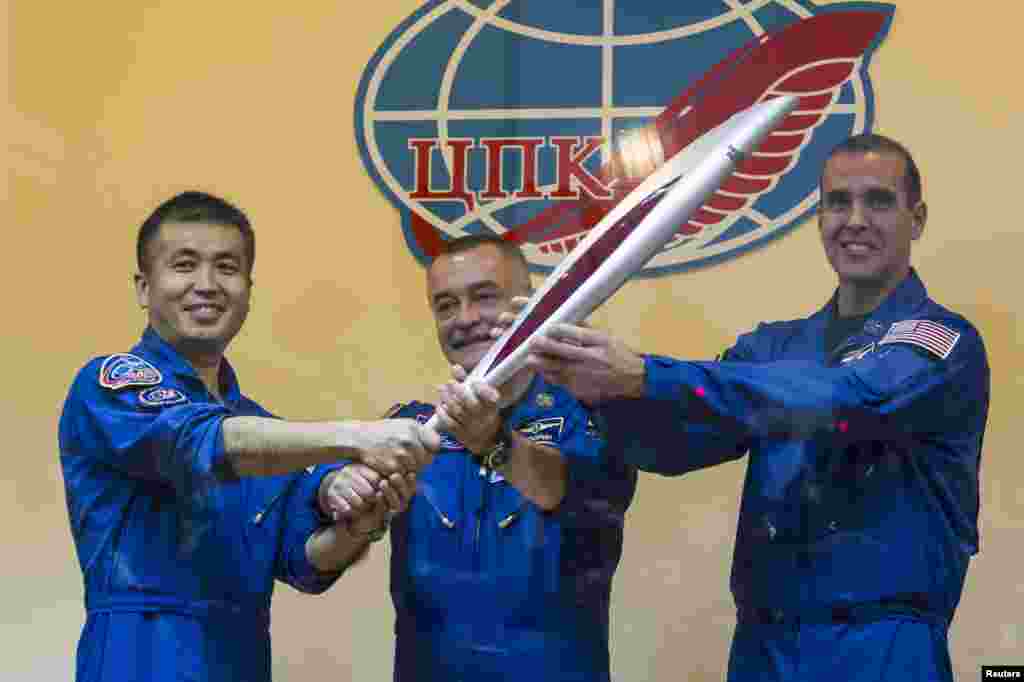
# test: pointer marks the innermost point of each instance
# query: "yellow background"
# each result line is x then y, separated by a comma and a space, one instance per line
115, 106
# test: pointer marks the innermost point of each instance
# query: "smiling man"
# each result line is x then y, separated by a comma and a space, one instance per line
501, 568
864, 424
186, 499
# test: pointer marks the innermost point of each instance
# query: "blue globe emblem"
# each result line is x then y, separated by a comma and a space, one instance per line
505, 117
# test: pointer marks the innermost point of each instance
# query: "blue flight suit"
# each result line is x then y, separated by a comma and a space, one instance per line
178, 554
488, 587
860, 506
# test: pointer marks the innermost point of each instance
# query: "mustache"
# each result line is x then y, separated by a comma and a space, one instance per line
457, 341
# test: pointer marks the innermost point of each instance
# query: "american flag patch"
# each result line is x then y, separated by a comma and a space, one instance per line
934, 337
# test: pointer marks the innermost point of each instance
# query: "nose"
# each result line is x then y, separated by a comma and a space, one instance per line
206, 279
468, 314
858, 216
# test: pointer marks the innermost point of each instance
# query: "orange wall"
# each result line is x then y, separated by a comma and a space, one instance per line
113, 107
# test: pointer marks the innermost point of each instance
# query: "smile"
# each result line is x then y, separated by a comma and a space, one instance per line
857, 248
205, 307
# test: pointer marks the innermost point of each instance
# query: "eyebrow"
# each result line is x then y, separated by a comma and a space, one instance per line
192, 253
473, 288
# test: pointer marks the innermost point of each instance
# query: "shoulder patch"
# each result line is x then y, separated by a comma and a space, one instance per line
161, 396
934, 337
125, 369
547, 430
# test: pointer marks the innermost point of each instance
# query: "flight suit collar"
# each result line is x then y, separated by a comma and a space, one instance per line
903, 301
170, 360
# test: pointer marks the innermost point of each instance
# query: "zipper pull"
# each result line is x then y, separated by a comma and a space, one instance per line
508, 520
448, 523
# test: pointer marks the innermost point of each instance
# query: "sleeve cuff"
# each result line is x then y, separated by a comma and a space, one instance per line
662, 378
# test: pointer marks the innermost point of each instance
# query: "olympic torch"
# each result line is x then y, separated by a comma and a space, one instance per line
631, 234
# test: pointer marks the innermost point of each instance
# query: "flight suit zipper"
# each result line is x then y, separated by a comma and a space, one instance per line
511, 518
445, 521
262, 514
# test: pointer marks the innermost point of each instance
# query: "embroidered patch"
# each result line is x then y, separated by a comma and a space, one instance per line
125, 369
543, 430
936, 338
161, 396
857, 354
873, 327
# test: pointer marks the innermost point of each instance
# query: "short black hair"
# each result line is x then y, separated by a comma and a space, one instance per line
873, 142
469, 242
194, 207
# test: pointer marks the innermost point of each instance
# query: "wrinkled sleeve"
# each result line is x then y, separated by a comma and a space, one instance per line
657, 436
897, 392
302, 519
181, 445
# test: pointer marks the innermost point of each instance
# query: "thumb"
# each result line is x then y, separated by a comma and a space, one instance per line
459, 372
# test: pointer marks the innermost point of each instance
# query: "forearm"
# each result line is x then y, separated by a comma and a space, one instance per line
332, 548
260, 446
537, 471
656, 436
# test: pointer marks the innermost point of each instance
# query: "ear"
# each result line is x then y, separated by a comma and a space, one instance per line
141, 290
920, 218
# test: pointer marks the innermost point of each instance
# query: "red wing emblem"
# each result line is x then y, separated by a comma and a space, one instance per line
811, 58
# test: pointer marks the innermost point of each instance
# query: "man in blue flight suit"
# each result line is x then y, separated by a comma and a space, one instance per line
864, 424
186, 499
502, 567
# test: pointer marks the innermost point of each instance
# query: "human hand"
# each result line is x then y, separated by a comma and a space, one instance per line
590, 364
505, 320
469, 411
393, 446
357, 490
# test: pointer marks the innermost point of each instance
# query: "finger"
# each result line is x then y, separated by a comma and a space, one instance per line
459, 373
581, 335
444, 393
430, 442
347, 501
338, 505
545, 345
445, 422
458, 401
468, 402
486, 393
391, 499
401, 486
362, 485
371, 476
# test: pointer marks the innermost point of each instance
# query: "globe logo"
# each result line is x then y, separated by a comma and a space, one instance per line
531, 120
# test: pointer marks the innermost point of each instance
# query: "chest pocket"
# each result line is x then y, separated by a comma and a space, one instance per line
436, 522
263, 514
